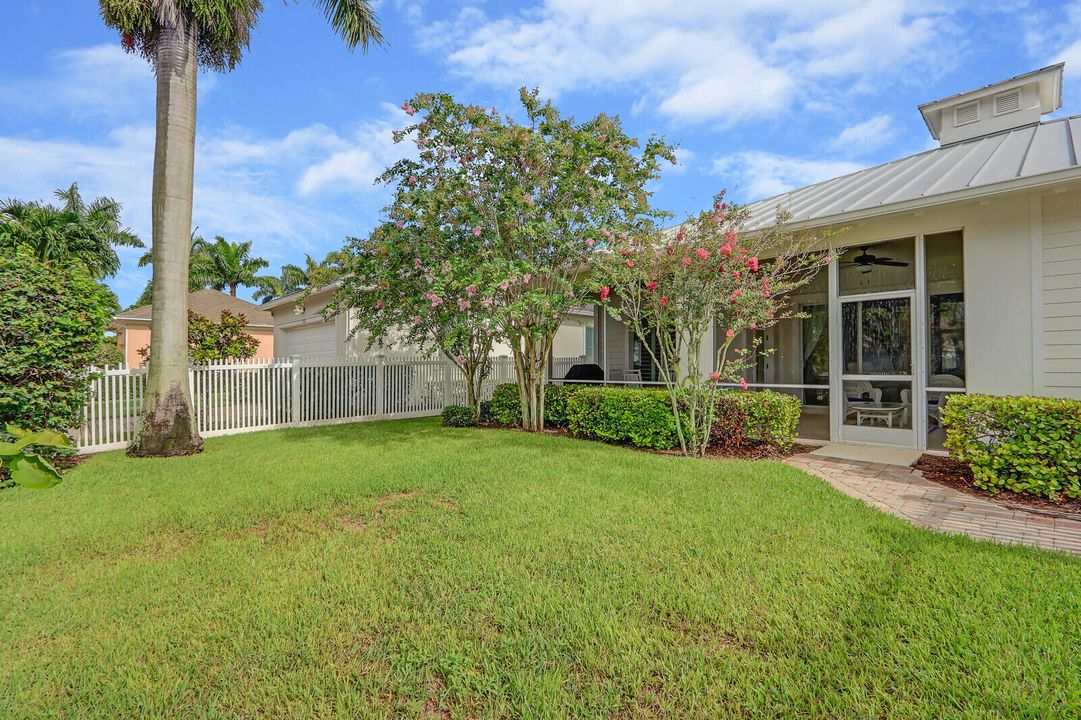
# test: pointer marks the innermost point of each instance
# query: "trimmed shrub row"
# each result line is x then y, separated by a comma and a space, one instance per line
458, 416
643, 417
748, 419
1024, 444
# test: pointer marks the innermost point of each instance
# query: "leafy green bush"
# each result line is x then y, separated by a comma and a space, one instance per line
458, 416
1024, 444
486, 411
52, 320
556, 398
638, 416
506, 408
21, 457
760, 418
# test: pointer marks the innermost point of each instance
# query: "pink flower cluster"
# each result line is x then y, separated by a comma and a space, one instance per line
409, 109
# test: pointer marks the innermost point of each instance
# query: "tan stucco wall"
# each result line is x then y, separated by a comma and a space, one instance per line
130, 336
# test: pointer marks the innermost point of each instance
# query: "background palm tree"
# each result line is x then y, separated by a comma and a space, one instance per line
293, 278
225, 265
177, 36
74, 232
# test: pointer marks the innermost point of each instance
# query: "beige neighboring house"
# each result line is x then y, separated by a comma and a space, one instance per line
133, 326
302, 331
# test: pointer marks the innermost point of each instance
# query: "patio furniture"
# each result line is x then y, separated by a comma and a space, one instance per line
585, 372
627, 377
858, 392
935, 400
873, 412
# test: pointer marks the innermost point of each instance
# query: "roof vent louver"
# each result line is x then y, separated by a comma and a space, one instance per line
965, 114
1007, 102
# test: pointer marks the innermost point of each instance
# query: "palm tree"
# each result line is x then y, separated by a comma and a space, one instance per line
293, 278
225, 265
195, 256
75, 232
177, 36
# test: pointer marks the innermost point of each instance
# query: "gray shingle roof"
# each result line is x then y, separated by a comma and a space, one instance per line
984, 162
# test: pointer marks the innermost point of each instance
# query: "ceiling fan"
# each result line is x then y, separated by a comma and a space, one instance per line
866, 262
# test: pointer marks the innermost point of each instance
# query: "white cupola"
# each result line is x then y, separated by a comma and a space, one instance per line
1004, 105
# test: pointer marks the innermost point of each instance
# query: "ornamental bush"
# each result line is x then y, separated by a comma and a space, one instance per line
641, 417
765, 419
52, 320
1024, 444
459, 416
505, 407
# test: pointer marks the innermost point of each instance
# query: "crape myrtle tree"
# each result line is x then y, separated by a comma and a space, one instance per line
523, 204
177, 37
675, 284
421, 284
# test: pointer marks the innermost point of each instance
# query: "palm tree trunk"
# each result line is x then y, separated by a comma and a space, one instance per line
167, 425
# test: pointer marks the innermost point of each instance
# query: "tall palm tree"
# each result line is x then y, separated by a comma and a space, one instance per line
177, 36
195, 256
225, 265
74, 232
294, 278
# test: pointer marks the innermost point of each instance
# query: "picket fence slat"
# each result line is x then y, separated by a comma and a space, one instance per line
247, 396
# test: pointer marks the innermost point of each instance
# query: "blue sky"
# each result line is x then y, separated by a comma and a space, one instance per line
760, 95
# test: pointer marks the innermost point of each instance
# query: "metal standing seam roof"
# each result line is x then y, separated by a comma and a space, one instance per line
986, 161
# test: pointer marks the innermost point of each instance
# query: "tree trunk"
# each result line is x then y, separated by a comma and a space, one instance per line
530, 363
167, 426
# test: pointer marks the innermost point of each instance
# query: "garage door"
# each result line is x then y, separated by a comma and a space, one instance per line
311, 340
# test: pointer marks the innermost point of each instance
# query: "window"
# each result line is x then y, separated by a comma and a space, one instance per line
945, 310
882, 267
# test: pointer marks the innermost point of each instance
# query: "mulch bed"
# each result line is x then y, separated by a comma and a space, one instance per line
957, 475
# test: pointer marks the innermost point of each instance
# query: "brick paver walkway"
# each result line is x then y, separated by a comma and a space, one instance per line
903, 491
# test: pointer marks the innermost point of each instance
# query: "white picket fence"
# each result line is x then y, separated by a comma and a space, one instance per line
246, 396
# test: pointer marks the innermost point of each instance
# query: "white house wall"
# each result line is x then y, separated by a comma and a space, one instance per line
1061, 275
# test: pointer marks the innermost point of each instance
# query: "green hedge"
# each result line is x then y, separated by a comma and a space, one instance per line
746, 419
506, 405
459, 416
1024, 444
623, 415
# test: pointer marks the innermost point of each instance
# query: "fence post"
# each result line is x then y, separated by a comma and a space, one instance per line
380, 385
294, 386
448, 381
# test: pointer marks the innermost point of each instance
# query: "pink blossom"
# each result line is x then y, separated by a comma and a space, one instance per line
460, 360
399, 223
664, 301
526, 278
730, 333
590, 242
702, 254
416, 319
412, 180
416, 263
409, 109
623, 236
730, 237
651, 286
735, 274
752, 264
715, 376
378, 304
471, 290
679, 235
686, 261
605, 291
743, 383
630, 263
726, 250
569, 293
754, 326
476, 232
505, 285
463, 304
486, 302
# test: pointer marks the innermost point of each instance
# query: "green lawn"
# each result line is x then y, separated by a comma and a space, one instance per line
399, 569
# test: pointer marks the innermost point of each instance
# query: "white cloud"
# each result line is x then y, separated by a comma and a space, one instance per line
684, 158
355, 164
759, 175
864, 137
691, 59
1053, 36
